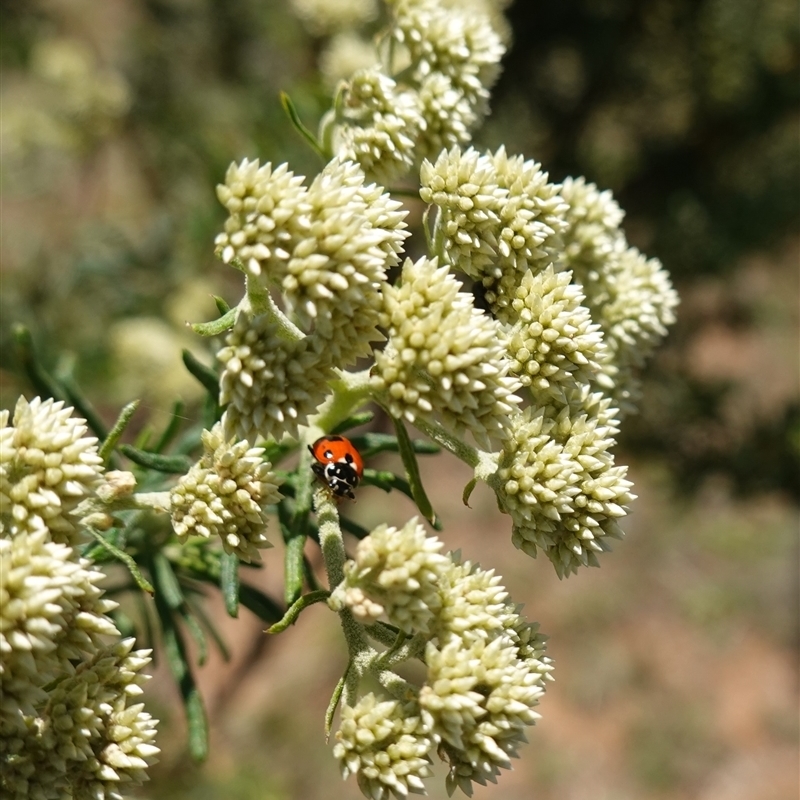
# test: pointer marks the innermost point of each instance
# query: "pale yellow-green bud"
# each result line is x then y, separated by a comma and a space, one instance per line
226, 494
47, 466
445, 359
386, 746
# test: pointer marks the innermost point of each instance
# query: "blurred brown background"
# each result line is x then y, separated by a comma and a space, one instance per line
677, 662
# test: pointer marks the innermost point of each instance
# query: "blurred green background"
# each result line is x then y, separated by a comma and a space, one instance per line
676, 663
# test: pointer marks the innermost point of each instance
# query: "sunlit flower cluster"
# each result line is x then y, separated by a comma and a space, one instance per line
382, 130
226, 494
66, 725
90, 739
444, 358
558, 481
396, 573
485, 665
429, 92
47, 466
385, 745
327, 16
553, 344
497, 217
630, 296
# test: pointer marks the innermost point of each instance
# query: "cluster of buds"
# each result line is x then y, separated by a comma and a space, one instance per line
67, 724
485, 667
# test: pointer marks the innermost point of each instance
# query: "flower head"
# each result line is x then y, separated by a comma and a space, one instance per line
478, 698
385, 745
262, 202
551, 339
558, 481
51, 614
322, 17
88, 741
593, 226
381, 125
497, 217
460, 44
448, 114
444, 358
396, 572
226, 494
269, 383
338, 260
47, 466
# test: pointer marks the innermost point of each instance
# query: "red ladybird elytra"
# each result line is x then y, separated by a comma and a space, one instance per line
337, 464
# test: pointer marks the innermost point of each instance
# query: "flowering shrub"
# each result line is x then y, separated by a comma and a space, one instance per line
513, 342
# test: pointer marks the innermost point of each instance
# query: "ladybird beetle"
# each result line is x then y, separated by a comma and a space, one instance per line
338, 464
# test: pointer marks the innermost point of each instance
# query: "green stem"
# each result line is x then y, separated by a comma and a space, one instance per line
261, 302
350, 390
334, 555
466, 452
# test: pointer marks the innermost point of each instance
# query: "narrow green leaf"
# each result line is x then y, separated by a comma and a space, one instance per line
167, 582
204, 374
468, 491
334, 703
370, 444
99, 552
83, 406
412, 473
198, 724
110, 442
125, 558
196, 632
293, 568
291, 111
263, 606
222, 304
229, 582
386, 480
173, 426
216, 326
294, 534
43, 383
200, 613
290, 617
161, 463
175, 651
362, 418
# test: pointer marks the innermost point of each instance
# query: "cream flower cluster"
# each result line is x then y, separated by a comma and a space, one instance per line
384, 122
558, 481
630, 296
67, 728
269, 383
497, 217
385, 745
90, 740
226, 494
442, 59
395, 573
47, 467
485, 664
326, 249
553, 344
444, 359
51, 614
